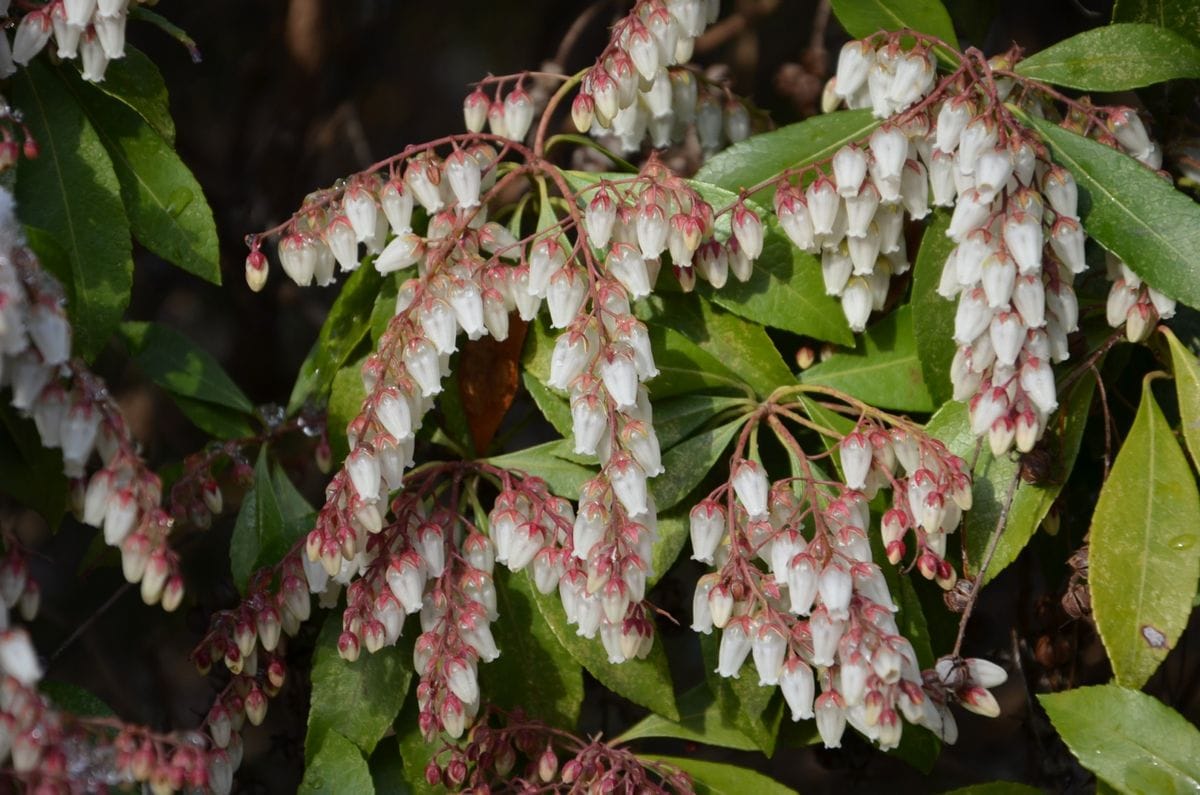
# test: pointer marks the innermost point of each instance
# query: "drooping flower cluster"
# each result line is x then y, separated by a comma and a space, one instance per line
74, 413
822, 613
513, 751
638, 88
91, 30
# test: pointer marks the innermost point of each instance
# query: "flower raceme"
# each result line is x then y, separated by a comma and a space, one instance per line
92, 31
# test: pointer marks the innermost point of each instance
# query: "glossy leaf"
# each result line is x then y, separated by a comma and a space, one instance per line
1130, 740
533, 672
743, 705
273, 515
1187, 391
685, 367
675, 419
136, 81
762, 157
219, 421
932, 315
1181, 16
687, 463
672, 535
993, 476
344, 328
718, 778
861, 18
1133, 212
699, 721
884, 369
646, 682
555, 409
181, 367
551, 462
346, 397
167, 211
1145, 547
356, 701
1115, 58
336, 766
71, 191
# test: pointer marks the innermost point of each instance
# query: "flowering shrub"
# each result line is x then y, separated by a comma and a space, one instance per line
928, 232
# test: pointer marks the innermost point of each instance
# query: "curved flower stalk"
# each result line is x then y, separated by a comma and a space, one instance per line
92, 31
74, 413
820, 614
509, 752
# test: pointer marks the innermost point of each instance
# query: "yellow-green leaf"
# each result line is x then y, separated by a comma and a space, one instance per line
1115, 58
1187, 390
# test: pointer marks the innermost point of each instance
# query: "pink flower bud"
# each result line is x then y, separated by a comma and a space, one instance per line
475, 110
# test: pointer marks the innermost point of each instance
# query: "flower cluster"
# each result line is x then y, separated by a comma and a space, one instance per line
74, 413
91, 30
513, 751
822, 613
636, 88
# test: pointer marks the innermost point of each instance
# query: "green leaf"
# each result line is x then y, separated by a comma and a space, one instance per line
345, 326
136, 81
387, 770
337, 766
555, 409
217, 421
932, 315
992, 476
884, 369
996, 788
1133, 212
30, 473
259, 525
1181, 16
699, 721
761, 157
675, 419
356, 701
552, 462
1128, 739
742, 347
345, 401
167, 211
861, 18
687, 463
71, 191
1115, 58
750, 709
1143, 558
672, 534
685, 367
785, 290
75, 700
533, 672
181, 367
716, 778
1187, 390
646, 682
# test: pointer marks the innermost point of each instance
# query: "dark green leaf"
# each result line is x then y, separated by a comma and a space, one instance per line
1187, 390
335, 767
259, 524
387, 770
743, 704
1129, 739
883, 369
861, 18
1181, 16
685, 367
1143, 558
29, 472
1115, 58
933, 316
136, 81
761, 157
993, 476
996, 788
345, 401
345, 326
699, 721
75, 700
356, 701
555, 409
675, 419
646, 682
167, 211
687, 463
385, 306
181, 367
672, 534
218, 421
71, 191
551, 462
716, 778
533, 672
1133, 212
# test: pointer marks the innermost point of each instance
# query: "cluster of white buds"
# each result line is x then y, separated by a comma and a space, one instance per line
74, 413
507, 116
636, 89
18, 590
91, 30
821, 613
964, 681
